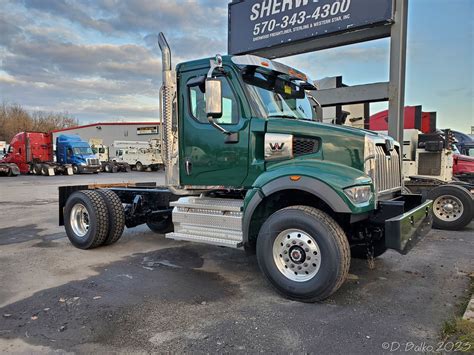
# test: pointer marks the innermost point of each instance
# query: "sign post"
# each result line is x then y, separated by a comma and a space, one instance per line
398, 54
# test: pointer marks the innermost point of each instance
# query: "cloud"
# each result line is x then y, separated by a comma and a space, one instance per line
92, 57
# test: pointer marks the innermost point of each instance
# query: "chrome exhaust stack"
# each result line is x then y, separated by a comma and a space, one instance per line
169, 129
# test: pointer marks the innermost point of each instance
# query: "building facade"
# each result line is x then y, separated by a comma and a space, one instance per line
108, 132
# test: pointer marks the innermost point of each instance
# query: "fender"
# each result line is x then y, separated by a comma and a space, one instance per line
323, 180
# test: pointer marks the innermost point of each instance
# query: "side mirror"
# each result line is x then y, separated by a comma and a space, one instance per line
213, 98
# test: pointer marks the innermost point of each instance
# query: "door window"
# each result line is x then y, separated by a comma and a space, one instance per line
230, 113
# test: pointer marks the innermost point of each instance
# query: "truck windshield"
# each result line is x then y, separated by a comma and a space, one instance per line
82, 151
278, 96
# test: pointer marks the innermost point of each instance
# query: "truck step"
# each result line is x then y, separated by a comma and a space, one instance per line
216, 221
205, 240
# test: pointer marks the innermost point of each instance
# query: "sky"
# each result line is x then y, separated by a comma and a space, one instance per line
98, 60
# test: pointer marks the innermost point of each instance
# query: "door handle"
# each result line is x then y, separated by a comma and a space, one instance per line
188, 166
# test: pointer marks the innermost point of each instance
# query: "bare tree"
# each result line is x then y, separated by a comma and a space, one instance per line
14, 119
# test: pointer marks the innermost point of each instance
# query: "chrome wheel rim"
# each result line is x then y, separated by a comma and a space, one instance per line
448, 208
296, 255
79, 220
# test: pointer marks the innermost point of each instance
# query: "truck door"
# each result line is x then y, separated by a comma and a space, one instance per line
205, 158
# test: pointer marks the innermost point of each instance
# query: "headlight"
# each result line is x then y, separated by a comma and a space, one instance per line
359, 194
82, 163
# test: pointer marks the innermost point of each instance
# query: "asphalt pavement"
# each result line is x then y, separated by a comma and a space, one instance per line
147, 293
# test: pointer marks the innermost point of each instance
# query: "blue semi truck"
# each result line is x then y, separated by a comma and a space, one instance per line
71, 149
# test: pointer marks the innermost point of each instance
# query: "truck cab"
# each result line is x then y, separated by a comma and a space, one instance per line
29, 148
71, 149
247, 166
139, 155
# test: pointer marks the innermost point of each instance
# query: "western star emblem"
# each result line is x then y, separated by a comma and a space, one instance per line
276, 147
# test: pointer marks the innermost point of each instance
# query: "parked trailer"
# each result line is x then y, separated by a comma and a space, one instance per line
33, 152
302, 195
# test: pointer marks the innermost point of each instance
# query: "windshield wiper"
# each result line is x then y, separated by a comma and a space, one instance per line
283, 116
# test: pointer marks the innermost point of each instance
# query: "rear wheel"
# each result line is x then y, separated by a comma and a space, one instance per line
162, 226
127, 168
37, 169
116, 216
453, 207
45, 169
86, 219
304, 253
139, 166
108, 168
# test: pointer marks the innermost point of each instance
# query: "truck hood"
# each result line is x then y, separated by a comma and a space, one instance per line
338, 144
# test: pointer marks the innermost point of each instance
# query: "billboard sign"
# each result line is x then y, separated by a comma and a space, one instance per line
147, 130
255, 25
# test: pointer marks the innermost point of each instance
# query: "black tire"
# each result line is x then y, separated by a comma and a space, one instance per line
75, 169
360, 251
128, 168
37, 169
45, 169
116, 216
108, 168
98, 218
139, 166
451, 220
10, 172
329, 238
165, 225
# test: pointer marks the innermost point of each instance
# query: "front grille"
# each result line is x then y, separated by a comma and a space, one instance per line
429, 163
387, 169
303, 146
92, 161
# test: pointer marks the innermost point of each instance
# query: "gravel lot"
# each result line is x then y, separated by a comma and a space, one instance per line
146, 293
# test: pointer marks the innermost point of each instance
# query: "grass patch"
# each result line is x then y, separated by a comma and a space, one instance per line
458, 330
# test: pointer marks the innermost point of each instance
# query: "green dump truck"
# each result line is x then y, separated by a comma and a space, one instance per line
248, 167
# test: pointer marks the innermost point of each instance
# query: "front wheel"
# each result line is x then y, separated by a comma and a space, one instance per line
75, 169
139, 166
304, 253
453, 207
108, 168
